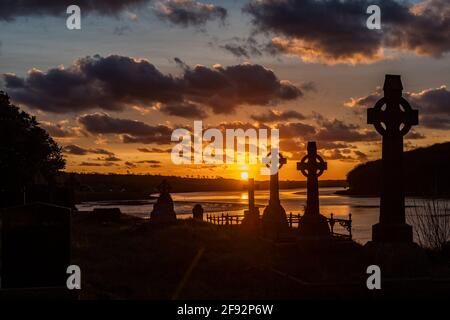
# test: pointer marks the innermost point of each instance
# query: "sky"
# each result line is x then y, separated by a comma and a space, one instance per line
112, 93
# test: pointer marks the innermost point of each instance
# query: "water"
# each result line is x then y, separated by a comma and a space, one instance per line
365, 211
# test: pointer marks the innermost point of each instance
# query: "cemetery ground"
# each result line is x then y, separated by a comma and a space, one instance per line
131, 258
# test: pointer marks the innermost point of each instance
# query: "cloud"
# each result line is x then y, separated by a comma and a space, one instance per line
337, 130
433, 105
154, 150
274, 116
184, 109
150, 161
188, 13
60, 130
96, 164
80, 151
12, 9
110, 158
334, 31
117, 82
243, 47
131, 131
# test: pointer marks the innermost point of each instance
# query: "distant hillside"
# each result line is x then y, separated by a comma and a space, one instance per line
426, 173
90, 187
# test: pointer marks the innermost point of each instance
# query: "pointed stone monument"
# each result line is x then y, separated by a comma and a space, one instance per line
163, 210
251, 216
274, 220
392, 245
313, 224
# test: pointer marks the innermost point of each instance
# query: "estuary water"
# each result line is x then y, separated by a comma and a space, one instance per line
364, 211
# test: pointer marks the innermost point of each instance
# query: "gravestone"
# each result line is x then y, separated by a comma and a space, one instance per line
274, 220
163, 210
197, 212
393, 122
312, 223
392, 246
35, 246
251, 216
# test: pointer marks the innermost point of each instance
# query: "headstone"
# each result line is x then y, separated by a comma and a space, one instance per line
163, 210
197, 212
274, 220
35, 246
392, 247
392, 122
251, 216
313, 224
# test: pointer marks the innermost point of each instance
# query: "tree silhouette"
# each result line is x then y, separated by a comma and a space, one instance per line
26, 150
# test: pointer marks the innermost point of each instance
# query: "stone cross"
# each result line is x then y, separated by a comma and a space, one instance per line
251, 216
251, 195
274, 187
274, 219
313, 224
312, 167
392, 117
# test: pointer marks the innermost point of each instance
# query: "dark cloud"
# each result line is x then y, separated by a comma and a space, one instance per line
296, 130
273, 116
184, 109
117, 82
131, 131
225, 88
90, 164
10, 9
60, 130
187, 13
433, 106
110, 158
96, 164
154, 150
150, 161
130, 165
243, 47
337, 130
80, 151
333, 31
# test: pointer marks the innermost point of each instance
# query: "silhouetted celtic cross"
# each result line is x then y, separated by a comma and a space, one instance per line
312, 163
281, 160
398, 118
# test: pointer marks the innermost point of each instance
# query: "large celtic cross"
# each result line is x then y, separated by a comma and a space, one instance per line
312, 167
392, 117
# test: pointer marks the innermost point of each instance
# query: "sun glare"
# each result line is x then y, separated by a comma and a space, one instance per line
244, 175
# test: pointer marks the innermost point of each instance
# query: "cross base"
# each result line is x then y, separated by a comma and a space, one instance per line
314, 226
274, 221
399, 260
386, 233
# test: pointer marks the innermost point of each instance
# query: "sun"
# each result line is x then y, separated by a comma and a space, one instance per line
244, 175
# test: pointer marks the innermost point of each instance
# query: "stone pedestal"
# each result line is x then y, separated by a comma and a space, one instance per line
397, 259
401, 232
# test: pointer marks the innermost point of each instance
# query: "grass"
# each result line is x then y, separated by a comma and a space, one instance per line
133, 259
